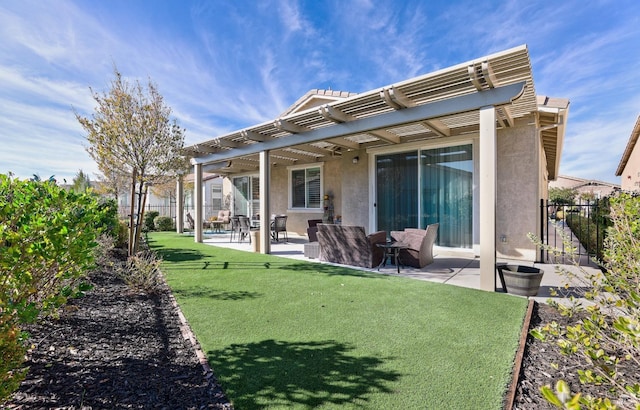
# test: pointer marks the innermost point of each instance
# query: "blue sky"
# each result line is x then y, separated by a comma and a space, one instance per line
226, 65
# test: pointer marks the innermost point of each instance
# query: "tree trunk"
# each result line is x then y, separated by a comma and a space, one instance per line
132, 213
143, 195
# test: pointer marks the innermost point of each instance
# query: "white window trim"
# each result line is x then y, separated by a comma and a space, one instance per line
290, 168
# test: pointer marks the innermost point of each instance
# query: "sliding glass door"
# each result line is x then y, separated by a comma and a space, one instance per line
435, 189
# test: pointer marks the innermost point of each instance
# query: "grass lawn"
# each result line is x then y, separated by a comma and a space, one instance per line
283, 333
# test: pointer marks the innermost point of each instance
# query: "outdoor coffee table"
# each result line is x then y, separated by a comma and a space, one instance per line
392, 249
217, 225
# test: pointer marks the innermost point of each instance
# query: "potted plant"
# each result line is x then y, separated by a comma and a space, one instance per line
521, 280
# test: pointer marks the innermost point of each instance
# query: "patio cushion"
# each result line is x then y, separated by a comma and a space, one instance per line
350, 245
420, 245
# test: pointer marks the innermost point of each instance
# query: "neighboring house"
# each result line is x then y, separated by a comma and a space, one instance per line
163, 199
471, 147
629, 167
590, 187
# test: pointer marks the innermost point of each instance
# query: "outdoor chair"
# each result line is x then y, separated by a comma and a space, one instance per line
235, 227
278, 225
419, 252
312, 230
244, 229
190, 221
221, 220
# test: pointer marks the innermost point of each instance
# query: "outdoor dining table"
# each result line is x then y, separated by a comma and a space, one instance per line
392, 249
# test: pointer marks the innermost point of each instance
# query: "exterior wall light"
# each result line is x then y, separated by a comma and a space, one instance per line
355, 160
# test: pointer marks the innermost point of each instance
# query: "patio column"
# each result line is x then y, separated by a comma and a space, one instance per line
488, 166
197, 196
179, 205
265, 214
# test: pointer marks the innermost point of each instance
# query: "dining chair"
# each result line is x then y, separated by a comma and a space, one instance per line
244, 228
278, 225
235, 227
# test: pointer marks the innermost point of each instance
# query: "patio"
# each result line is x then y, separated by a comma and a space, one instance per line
449, 267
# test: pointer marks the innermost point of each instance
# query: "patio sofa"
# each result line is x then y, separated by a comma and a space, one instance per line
420, 245
350, 245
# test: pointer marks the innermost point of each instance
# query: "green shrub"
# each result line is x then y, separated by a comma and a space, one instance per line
47, 236
588, 233
163, 223
142, 272
122, 238
108, 213
606, 334
149, 218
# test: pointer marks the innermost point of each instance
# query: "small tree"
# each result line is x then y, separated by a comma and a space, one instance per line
131, 134
81, 182
562, 196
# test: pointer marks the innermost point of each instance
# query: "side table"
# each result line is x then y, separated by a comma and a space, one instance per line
392, 249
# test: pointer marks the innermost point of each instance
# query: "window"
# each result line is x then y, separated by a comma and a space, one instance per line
306, 187
216, 197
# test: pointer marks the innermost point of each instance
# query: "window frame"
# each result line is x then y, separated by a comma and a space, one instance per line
304, 167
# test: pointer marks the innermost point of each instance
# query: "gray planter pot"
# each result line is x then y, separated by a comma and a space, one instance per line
521, 280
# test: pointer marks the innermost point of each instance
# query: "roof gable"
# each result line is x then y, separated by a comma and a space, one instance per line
314, 98
633, 138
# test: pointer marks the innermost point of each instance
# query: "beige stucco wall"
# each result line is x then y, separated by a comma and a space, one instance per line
519, 177
355, 189
297, 220
630, 178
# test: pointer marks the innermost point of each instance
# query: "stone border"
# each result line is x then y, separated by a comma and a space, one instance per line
517, 365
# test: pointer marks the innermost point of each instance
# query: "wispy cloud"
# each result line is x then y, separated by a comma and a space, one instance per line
226, 65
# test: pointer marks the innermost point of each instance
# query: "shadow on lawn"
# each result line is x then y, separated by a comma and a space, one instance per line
332, 270
180, 255
311, 374
215, 294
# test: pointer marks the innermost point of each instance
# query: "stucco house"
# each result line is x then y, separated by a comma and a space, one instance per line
471, 147
585, 187
629, 167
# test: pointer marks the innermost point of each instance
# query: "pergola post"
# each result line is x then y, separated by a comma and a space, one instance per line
197, 196
179, 205
265, 194
488, 194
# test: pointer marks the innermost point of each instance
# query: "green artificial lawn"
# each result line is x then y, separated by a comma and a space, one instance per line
284, 333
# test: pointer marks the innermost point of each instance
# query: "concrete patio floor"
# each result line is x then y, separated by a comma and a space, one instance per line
452, 268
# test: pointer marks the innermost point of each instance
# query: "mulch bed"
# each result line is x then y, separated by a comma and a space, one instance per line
117, 349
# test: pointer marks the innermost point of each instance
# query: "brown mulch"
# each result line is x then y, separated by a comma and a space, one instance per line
117, 349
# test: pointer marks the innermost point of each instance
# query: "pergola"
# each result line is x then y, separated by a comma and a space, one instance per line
479, 96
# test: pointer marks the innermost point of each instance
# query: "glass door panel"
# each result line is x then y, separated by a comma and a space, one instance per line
397, 191
241, 196
447, 196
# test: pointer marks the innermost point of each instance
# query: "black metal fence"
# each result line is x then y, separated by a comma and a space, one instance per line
580, 226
